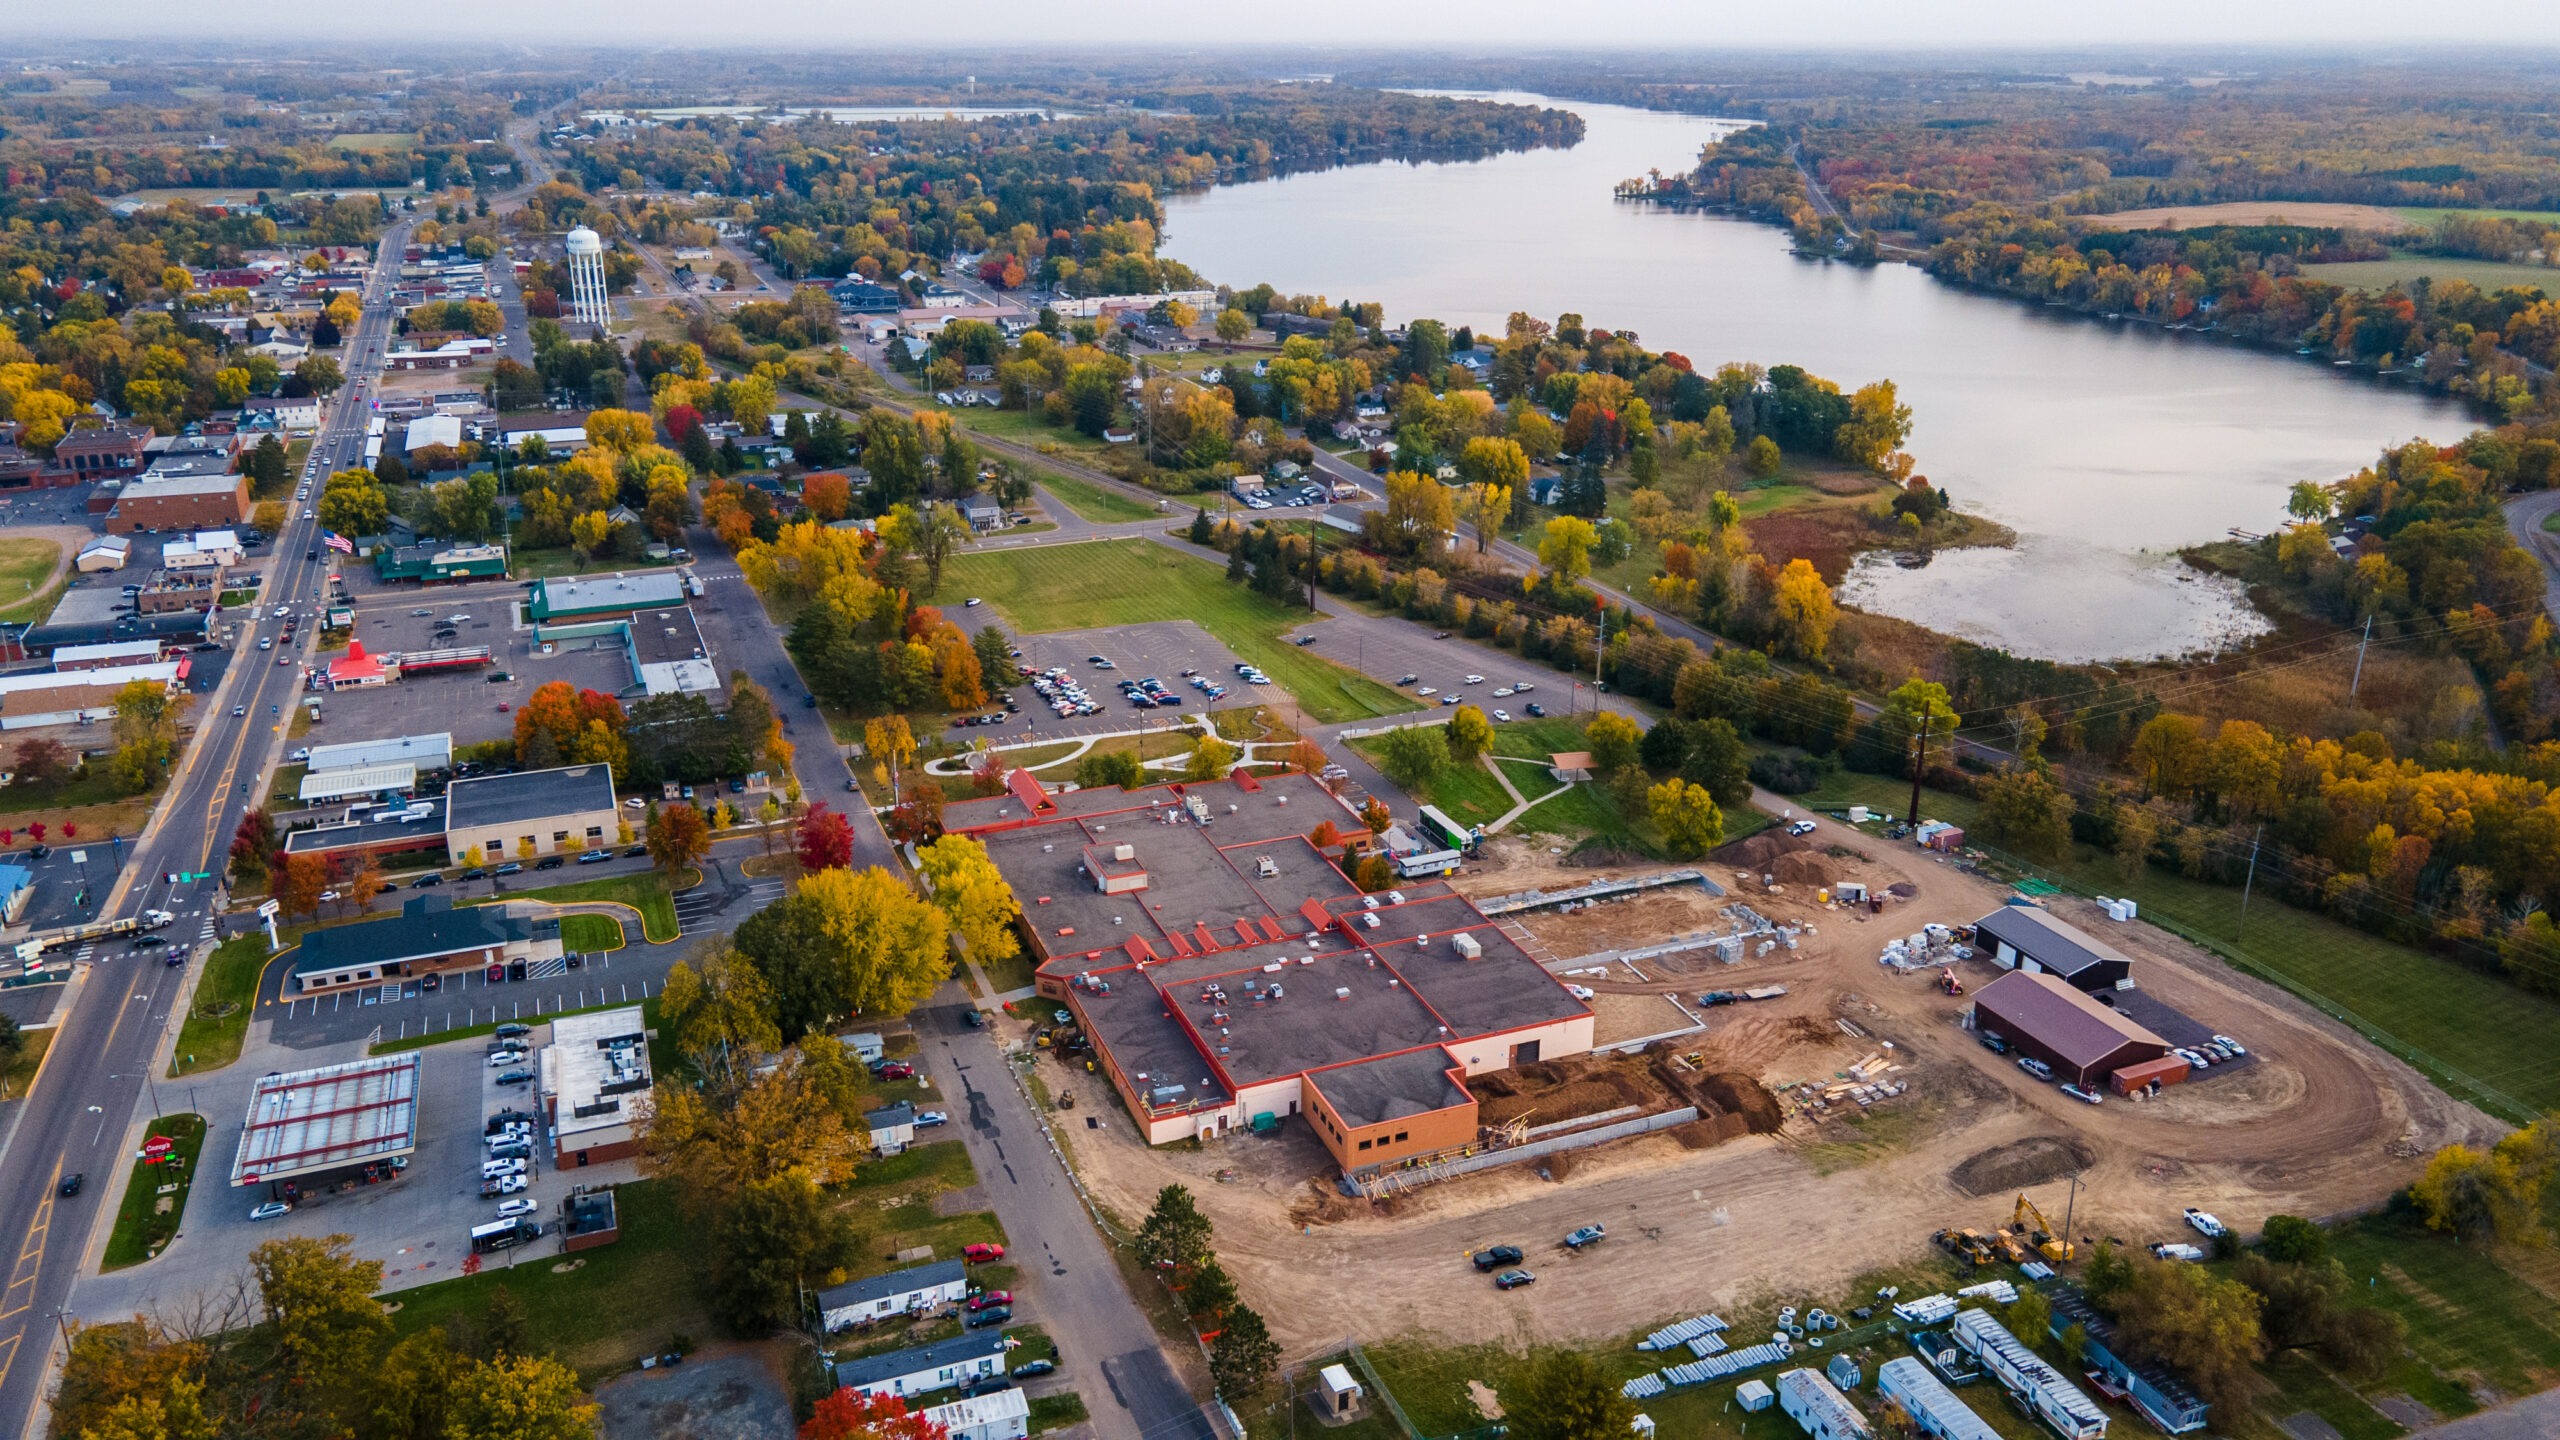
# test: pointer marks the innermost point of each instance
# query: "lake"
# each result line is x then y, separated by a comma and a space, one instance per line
2105, 447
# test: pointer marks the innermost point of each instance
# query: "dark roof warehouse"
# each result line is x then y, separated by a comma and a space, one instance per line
2022, 937
2046, 1018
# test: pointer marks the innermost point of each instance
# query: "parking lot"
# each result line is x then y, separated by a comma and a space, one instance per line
1164, 649
463, 702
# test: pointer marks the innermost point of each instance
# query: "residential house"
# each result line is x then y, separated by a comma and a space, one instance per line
900, 1292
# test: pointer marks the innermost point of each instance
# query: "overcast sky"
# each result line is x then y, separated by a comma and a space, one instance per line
1456, 24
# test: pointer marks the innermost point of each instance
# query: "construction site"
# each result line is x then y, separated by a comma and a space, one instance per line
1783, 1093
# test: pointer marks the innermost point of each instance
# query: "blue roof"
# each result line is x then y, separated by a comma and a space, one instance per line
14, 878
924, 1359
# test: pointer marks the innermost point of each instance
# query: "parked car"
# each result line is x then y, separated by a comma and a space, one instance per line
2205, 1224
1993, 1041
595, 856
505, 1057
1513, 1279
2227, 1043
989, 1386
426, 882
550, 862
513, 1208
516, 1077
984, 1318
510, 868
1801, 827
1587, 1235
1534, 710
985, 1298
2035, 1067
2083, 1095
1031, 1369
272, 1210
894, 1070
1498, 1256
982, 1254
973, 1018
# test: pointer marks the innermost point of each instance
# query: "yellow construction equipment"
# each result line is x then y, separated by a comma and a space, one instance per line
2012, 1247
1964, 1245
2030, 1223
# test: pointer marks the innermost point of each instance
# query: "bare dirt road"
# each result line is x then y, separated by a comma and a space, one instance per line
2322, 1123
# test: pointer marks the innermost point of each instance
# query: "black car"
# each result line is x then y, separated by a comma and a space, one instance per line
996, 1315
71, 1186
974, 1020
1035, 1368
989, 1386
475, 873
426, 881
1535, 709
550, 862
1497, 1257
636, 852
1513, 1279
150, 942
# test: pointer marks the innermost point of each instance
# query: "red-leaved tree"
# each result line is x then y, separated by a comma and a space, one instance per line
826, 839
851, 1414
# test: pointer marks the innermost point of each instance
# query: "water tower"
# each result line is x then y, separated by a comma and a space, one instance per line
587, 301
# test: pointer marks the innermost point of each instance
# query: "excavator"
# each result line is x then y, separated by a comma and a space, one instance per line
2029, 1222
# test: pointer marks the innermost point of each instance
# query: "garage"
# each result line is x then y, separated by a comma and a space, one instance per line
2046, 1019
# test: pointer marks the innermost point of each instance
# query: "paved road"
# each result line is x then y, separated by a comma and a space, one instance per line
2525, 515
1074, 1287
93, 1079
2535, 1417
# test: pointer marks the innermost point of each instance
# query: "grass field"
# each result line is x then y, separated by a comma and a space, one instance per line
1130, 582
2425, 215
142, 1228
225, 994
590, 933
26, 564
1022, 427
1471, 795
626, 1300
650, 894
21, 1072
2489, 275
1093, 502
380, 140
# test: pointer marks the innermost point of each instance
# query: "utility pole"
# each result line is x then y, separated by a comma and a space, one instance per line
1919, 765
2367, 640
2070, 1207
2250, 883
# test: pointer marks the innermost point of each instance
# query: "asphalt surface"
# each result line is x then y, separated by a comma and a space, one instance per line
84, 1108
2525, 515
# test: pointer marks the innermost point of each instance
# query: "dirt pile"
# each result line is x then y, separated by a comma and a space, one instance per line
1707, 1133
2021, 1163
1805, 867
1757, 853
1722, 1095
1550, 1090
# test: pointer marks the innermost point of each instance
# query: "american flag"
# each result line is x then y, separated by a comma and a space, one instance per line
337, 542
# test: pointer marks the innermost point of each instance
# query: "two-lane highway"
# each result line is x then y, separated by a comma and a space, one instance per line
80, 1112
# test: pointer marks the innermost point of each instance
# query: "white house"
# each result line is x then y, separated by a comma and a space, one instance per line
295, 414
1813, 1402
900, 1292
893, 1127
1004, 1415
956, 1361
105, 553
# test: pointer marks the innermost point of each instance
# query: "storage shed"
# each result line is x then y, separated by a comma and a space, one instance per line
2022, 937
1754, 1396
2167, 1070
2043, 1017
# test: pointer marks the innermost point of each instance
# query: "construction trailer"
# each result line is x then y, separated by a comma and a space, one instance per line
2165, 1400
2057, 1401
1932, 1407
1816, 1404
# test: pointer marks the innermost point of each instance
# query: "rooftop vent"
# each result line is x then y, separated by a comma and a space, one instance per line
1342, 992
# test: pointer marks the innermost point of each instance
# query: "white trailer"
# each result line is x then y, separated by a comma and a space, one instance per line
2073, 1415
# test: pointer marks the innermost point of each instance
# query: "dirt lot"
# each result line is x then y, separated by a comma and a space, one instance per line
2325, 1124
2256, 212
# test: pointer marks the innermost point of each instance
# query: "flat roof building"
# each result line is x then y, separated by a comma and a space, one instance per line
537, 812
2045, 1018
2024, 937
110, 655
595, 1084
310, 1121
1000, 1415
426, 752
669, 655
925, 1368
192, 502
319, 787
1230, 975
603, 598
437, 562
430, 935
378, 830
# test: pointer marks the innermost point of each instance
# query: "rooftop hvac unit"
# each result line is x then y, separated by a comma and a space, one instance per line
1275, 991
1265, 866
1369, 902
1284, 799
1465, 944
1124, 852
1369, 920
1045, 849
1341, 992
1274, 966
1395, 897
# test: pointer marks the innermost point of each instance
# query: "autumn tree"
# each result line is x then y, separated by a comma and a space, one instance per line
317, 1301
2491, 1194
825, 840
1564, 550
966, 886
1469, 733
300, 880
845, 942
146, 730
1914, 715
1306, 756
1803, 608
1209, 759
2201, 1325
1614, 740
677, 837
1691, 824
520, 1397
255, 848
2025, 812
850, 1414
1411, 755
719, 1008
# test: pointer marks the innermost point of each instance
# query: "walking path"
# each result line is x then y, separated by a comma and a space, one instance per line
1519, 806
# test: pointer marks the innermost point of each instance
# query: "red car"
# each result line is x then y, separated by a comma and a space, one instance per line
895, 1070
985, 1298
982, 1254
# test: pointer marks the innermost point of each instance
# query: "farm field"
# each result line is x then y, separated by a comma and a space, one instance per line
2489, 275
1077, 587
2379, 218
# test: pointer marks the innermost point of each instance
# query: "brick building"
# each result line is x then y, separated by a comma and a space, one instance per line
191, 502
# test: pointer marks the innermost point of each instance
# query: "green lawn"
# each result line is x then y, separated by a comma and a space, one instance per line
26, 564
142, 1227
891, 1201
2428, 215
553, 562
225, 994
650, 894
626, 1300
1057, 1411
2551, 522
1471, 796
590, 933
18, 1074
1467, 793
1095, 503
382, 140
1130, 582
2489, 275
1020, 426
